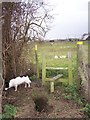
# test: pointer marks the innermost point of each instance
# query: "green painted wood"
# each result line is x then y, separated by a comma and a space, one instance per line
79, 61
54, 78
70, 68
43, 69
51, 87
37, 64
56, 68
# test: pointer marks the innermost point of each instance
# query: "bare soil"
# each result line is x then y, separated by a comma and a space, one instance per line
57, 106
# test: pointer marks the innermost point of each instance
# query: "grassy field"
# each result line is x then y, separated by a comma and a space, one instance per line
51, 50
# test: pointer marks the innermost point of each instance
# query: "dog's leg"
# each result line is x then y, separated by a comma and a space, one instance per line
25, 85
28, 84
16, 88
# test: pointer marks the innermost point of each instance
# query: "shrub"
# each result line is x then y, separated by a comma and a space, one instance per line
71, 93
86, 109
32, 78
9, 111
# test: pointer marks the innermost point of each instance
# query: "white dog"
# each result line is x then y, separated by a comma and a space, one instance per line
17, 81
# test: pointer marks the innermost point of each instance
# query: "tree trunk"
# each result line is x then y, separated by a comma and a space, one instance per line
14, 58
1, 81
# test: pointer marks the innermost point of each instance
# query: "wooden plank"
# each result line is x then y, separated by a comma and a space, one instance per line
70, 67
37, 65
89, 63
54, 78
51, 87
56, 68
43, 69
80, 43
79, 62
89, 84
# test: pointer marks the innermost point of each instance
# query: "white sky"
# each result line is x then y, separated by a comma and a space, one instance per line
71, 19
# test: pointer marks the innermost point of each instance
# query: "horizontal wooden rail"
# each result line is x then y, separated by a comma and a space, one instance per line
56, 68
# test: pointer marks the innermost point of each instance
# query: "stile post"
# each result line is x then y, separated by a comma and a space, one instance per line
43, 69
52, 86
89, 52
79, 61
37, 65
70, 68
89, 71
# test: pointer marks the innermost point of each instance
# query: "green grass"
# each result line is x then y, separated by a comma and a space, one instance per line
58, 48
70, 92
49, 50
86, 109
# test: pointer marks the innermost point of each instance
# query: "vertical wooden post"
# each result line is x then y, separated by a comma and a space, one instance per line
43, 69
89, 52
79, 61
52, 86
89, 70
70, 68
89, 83
37, 66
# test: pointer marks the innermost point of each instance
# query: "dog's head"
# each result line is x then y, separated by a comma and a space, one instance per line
6, 88
26, 79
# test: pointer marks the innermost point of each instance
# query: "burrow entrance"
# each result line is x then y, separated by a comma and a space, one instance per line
41, 104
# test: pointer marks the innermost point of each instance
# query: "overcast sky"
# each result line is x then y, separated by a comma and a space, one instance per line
71, 19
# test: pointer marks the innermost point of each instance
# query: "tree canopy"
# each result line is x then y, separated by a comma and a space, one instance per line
23, 22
